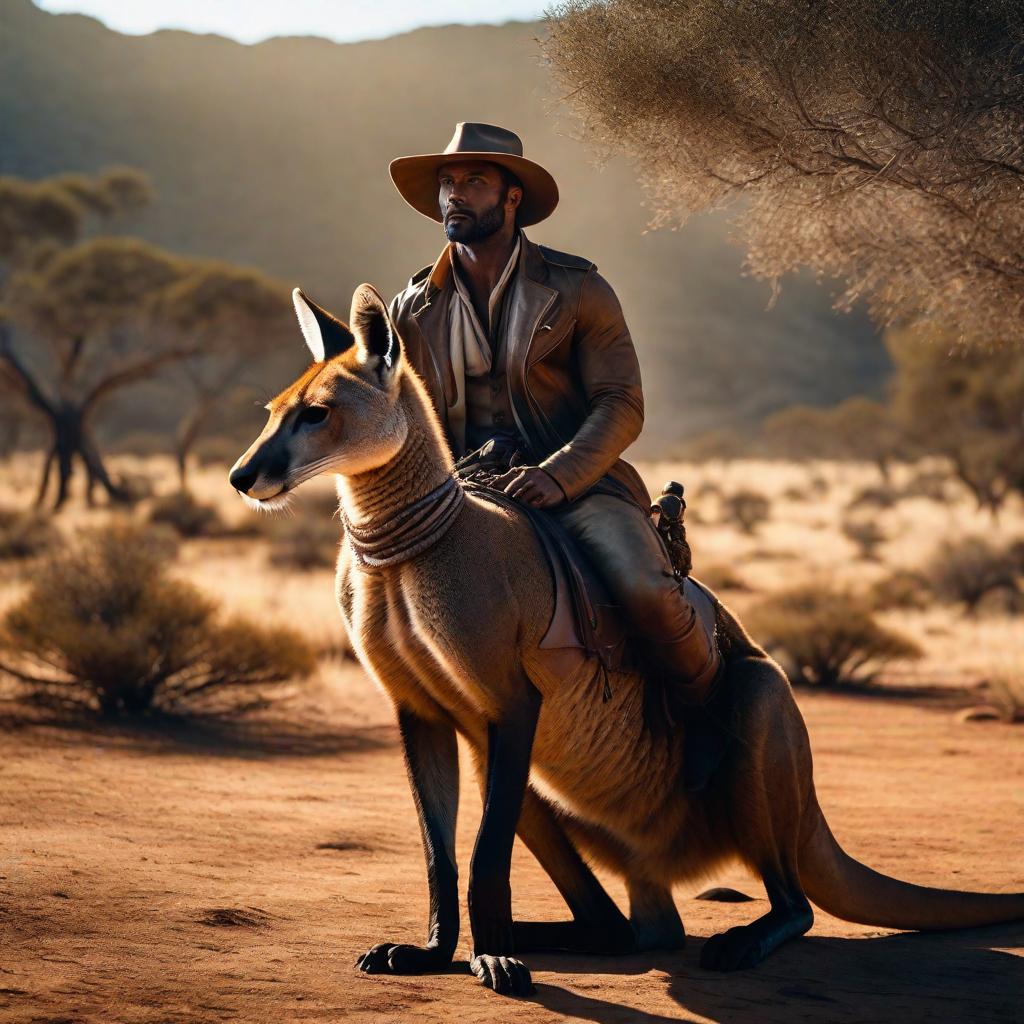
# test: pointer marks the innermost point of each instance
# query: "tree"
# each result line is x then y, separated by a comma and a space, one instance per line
858, 428
38, 221
967, 405
85, 307
226, 315
878, 143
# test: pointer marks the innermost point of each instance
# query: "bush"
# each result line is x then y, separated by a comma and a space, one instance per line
1007, 694
903, 589
877, 496
747, 509
721, 576
932, 484
104, 628
304, 544
970, 569
866, 535
25, 534
826, 638
187, 516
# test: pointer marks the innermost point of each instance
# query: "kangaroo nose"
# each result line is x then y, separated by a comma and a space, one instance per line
242, 478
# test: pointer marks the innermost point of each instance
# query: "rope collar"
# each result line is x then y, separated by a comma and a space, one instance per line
407, 532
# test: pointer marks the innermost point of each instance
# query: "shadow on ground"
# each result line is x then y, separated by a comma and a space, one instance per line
265, 736
950, 977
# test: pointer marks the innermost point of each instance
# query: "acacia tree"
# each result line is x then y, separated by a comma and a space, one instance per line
38, 220
858, 428
878, 143
228, 315
967, 405
81, 339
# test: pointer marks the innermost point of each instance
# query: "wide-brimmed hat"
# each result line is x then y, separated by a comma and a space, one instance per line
415, 177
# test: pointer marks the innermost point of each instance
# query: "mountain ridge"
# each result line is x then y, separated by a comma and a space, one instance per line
275, 154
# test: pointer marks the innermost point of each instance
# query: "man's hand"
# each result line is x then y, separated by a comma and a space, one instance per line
532, 486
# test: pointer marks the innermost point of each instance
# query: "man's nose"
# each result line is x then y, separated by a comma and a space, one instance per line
242, 478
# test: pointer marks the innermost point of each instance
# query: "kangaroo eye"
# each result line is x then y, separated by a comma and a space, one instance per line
311, 415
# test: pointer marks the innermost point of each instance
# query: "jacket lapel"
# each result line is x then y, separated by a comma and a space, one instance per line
533, 299
432, 320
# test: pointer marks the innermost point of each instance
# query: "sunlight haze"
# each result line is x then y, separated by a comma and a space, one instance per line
256, 20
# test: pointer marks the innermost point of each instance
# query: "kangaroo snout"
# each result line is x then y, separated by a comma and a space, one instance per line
242, 476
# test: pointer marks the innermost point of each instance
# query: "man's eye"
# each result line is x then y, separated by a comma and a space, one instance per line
311, 415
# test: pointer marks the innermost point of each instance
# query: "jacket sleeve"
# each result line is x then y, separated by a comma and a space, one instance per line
610, 375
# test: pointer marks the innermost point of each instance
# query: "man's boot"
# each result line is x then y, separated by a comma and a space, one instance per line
690, 669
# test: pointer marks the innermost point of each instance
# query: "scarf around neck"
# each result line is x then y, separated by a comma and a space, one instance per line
469, 341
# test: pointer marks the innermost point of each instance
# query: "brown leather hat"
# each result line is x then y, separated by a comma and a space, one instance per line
415, 177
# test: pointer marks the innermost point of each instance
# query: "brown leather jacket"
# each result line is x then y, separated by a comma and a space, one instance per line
572, 372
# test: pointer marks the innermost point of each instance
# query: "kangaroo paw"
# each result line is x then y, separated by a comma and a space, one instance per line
400, 958
507, 976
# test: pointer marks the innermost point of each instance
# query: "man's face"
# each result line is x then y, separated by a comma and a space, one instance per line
474, 200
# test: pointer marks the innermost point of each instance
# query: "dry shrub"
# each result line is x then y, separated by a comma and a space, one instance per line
305, 543
721, 576
25, 534
1006, 691
187, 516
747, 509
932, 484
104, 628
866, 535
970, 569
826, 638
904, 589
875, 496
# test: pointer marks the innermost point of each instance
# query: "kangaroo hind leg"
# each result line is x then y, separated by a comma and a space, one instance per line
767, 790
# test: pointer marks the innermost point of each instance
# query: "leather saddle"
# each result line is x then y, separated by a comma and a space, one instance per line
585, 621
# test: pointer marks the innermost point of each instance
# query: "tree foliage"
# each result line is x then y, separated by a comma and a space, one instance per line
965, 405
81, 319
878, 143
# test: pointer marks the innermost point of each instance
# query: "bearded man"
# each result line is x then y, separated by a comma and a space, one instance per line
527, 346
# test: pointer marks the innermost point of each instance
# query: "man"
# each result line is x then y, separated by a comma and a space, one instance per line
528, 346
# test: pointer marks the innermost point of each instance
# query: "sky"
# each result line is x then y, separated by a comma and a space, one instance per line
250, 21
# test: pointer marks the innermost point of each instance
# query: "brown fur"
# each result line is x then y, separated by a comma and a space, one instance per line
452, 638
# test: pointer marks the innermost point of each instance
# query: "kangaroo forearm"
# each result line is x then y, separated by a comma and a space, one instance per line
431, 757
509, 745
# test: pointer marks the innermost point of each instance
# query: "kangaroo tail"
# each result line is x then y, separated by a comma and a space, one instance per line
844, 887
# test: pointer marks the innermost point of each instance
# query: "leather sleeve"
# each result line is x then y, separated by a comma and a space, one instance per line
610, 374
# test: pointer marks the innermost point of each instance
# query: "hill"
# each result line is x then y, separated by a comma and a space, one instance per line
276, 155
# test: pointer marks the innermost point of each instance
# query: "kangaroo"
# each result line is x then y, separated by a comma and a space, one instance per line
446, 598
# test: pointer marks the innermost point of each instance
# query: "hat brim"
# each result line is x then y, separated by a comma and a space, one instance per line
415, 177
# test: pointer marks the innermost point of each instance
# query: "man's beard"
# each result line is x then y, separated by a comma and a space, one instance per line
476, 228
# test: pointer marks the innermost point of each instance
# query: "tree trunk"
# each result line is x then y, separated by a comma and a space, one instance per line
96, 469
44, 482
188, 433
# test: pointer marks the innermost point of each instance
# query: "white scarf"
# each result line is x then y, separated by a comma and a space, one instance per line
469, 343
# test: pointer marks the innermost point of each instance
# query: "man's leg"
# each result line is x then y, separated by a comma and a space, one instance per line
626, 551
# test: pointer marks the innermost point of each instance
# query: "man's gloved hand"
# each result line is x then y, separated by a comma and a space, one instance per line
532, 486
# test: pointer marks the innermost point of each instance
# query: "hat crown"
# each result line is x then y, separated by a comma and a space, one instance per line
476, 137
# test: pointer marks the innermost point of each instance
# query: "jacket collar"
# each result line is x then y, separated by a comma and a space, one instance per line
533, 298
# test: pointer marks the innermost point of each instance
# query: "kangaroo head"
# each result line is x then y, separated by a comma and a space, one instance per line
341, 416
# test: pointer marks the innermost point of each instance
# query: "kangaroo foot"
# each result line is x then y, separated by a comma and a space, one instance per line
507, 976
400, 958
749, 944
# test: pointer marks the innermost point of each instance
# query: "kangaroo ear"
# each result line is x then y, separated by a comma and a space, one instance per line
326, 336
375, 334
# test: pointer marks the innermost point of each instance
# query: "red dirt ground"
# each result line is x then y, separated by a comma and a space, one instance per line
200, 876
